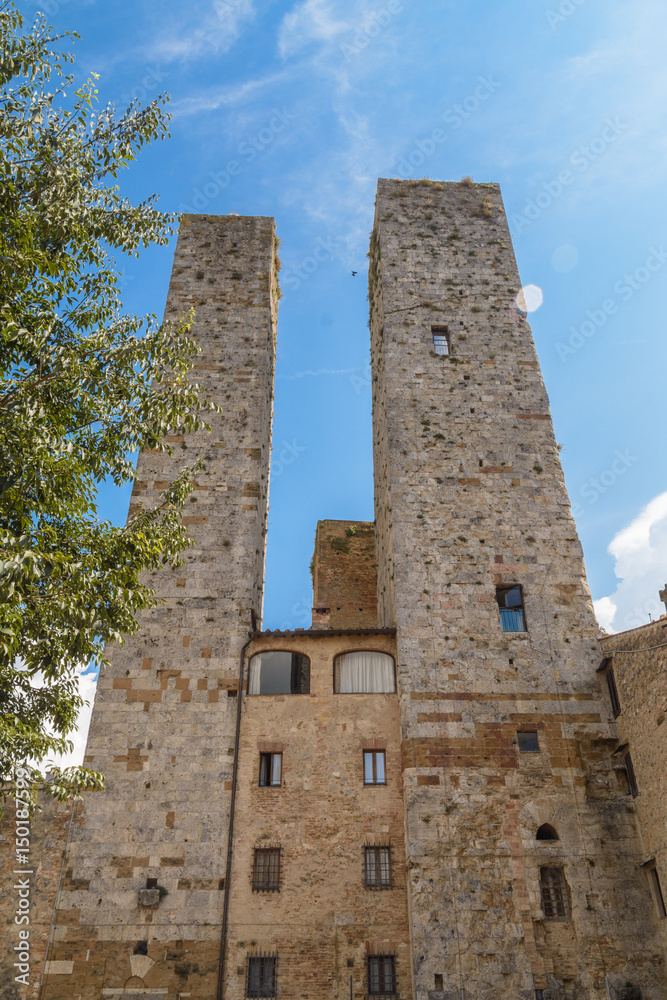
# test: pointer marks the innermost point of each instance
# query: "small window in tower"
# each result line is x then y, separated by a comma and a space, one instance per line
381, 976
554, 894
546, 832
656, 889
266, 869
270, 770
374, 769
510, 604
613, 692
528, 741
440, 339
377, 867
279, 672
260, 978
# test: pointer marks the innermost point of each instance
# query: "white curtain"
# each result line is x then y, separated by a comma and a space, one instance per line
365, 672
255, 671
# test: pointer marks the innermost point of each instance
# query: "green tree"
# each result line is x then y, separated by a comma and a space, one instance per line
82, 386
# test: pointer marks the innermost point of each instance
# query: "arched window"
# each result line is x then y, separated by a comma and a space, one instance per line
364, 671
279, 672
546, 832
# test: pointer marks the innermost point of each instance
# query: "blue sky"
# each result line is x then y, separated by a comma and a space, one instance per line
563, 102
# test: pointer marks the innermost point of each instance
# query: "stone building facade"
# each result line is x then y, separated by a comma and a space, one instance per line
418, 797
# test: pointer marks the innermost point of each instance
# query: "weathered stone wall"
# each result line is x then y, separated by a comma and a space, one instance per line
163, 724
639, 663
345, 575
469, 497
48, 831
321, 816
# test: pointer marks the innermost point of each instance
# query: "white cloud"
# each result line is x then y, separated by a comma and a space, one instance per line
640, 551
87, 686
217, 26
308, 22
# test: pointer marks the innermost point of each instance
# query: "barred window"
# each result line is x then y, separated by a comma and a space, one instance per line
374, 769
270, 769
377, 867
266, 869
554, 894
260, 977
632, 778
381, 976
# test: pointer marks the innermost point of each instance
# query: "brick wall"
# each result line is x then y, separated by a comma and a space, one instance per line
345, 575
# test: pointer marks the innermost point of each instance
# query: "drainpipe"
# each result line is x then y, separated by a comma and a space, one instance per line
230, 837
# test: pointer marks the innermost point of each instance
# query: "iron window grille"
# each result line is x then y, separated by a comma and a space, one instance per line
377, 867
632, 778
554, 894
528, 741
270, 770
266, 869
613, 692
381, 976
261, 975
374, 767
440, 339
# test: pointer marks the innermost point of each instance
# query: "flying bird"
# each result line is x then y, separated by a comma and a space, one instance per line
354, 274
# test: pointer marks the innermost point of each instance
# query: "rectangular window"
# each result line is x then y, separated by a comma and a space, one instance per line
554, 894
266, 869
279, 672
440, 339
613, 692
528, 742
270, 769
374, 771
656, 889
632, 778
364, 671
510, 605
381, 976
377, 867
260, 978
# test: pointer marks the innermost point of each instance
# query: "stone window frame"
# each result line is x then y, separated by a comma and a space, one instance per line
607, 668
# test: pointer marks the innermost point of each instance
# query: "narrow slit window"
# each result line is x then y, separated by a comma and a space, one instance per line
270, 770
632, 778
510, 605
613, 692
440, 339
266, 869
381, 976
374, 767
377, 867
656, 890
261, 979
554, 894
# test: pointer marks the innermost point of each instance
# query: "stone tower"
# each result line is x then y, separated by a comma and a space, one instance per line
164, 720
505, 731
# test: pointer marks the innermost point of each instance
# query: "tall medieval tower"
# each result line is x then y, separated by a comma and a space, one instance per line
418, 801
